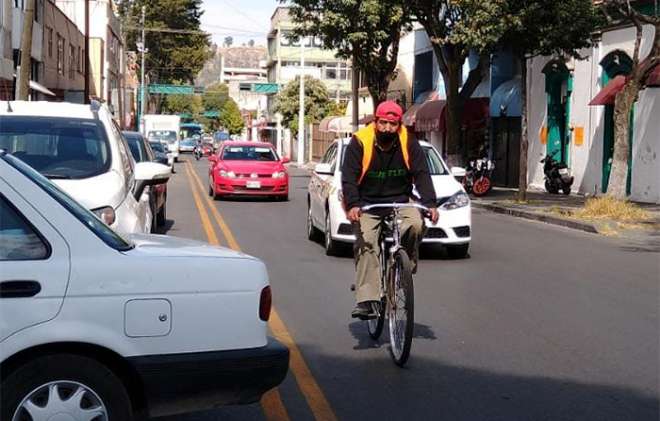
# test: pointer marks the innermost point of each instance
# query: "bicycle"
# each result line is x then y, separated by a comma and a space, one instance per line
397, 291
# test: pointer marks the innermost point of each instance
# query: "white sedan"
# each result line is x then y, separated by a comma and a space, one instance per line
94, 325
325, 212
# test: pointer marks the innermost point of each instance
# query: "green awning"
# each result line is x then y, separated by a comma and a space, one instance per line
265, 88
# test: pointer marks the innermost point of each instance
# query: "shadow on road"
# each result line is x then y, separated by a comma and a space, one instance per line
359, 331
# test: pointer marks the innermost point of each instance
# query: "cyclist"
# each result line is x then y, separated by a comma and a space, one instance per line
380, 166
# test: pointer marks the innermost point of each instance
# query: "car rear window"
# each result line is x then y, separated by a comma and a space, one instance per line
137, 148
248, 153
162, 135
59, 148
157, 147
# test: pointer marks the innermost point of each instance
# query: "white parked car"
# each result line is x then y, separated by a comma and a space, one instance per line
326, 213
94, 325
81, 149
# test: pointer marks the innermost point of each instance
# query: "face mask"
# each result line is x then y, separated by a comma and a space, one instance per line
386, 138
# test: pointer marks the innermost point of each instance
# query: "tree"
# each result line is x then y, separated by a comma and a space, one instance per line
215, 96
622, 12
172, 56
230, 117
251, 43
336, 108
316, 102
537, 28
364, 31
179, 104
229, 41
455, 28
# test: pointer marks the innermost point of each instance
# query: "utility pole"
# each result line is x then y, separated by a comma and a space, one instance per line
87, 62
26, 52
301, 111
355, 82
142, 48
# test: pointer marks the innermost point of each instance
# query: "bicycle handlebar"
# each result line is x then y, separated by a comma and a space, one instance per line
394, 205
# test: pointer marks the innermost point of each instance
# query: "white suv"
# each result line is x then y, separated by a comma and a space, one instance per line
325, 211
94, 325
81, 149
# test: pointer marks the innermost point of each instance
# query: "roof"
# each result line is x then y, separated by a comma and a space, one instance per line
47, 109
608, 93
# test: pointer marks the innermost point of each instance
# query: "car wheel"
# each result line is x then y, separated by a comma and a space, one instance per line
64, 387
331, 246
459, 251
312, 231
212, 191
161, 216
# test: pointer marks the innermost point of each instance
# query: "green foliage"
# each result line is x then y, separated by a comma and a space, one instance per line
317, 101
178, 104
336, 108
364, 31
171, 56
230, 117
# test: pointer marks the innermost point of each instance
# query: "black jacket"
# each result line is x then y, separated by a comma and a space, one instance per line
388, 179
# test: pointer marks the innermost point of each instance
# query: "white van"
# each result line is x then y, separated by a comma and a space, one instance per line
164, 128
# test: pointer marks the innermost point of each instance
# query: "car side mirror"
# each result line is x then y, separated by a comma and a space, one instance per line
324, 169
458, 172
149, 174
286, 160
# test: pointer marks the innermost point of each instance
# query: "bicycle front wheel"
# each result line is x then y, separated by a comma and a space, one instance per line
401, 307
375, 326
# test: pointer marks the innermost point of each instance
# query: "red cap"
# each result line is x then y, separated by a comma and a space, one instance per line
389, 110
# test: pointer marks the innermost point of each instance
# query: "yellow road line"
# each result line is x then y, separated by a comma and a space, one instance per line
310, 389
206, 222
271, 402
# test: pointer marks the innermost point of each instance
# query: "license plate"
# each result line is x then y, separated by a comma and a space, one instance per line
253, 184
563, 171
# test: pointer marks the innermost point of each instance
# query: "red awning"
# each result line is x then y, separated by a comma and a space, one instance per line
427, 118
608, 93
476, 112
367, 119
410, 116
654, 77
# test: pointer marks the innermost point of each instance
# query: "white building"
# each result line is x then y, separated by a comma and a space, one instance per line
571, 114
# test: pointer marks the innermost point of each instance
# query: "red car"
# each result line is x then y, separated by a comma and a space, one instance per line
248, 168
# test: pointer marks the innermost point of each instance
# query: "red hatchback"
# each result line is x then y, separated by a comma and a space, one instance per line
248, 168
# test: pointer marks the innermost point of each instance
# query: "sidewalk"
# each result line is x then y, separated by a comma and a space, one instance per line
558, 209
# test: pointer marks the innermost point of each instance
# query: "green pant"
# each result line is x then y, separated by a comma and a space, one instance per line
367, 249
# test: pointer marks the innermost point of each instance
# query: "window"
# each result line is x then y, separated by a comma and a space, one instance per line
329, 154
60, 54
18, 238
331, 71
436, 167
72, 61
124, 153
50, 42
248, 153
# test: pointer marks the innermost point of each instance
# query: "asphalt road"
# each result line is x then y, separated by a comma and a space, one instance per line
540, 323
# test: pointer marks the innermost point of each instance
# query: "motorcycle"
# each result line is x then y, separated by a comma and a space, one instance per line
557, 175
198, 152
478, 176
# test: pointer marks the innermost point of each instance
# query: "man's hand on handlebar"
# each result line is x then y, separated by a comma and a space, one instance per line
353, 214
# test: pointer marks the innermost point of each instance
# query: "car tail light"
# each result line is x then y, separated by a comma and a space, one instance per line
265, 303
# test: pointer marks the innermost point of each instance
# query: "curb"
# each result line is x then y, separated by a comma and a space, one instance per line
548, 219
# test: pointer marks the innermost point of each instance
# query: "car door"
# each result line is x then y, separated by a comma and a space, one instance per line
34, 265
317, 183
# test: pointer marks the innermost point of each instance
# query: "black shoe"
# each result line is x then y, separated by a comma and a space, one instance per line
364, 311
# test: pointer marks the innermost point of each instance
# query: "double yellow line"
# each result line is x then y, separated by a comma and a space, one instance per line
271, 402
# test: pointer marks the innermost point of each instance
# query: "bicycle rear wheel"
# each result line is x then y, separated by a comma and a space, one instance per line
401, 307
375, 326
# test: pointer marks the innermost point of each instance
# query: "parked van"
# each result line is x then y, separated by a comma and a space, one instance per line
164, 128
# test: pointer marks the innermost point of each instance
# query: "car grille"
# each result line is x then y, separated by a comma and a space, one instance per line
435, 233
245, 189
462, 231
345, 229
249, 175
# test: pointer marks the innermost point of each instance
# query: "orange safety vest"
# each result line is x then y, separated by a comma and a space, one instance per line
367, 136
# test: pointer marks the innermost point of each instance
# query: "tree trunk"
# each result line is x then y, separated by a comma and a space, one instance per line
524, 140
623, 103
378, 89
454, 110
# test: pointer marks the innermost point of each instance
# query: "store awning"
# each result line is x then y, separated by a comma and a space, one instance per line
608, 93
506, 100
428, 116
336, 124
476, 112
654, 77
410, 116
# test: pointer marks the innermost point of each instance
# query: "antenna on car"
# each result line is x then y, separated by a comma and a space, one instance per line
9, 109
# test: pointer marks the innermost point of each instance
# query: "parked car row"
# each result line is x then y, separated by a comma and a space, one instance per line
96, 315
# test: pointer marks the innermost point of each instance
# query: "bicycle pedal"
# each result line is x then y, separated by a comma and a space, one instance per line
352, 287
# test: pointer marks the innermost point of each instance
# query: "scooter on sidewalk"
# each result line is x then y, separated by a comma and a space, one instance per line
557, 175
478, 176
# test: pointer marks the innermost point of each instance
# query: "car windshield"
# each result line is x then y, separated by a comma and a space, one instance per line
138, 149
93, 223
162, 135
59, 148
433, 160
248, 153
157, 147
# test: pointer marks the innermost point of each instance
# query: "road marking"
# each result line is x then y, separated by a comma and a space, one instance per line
308, 386
206, 222
271, 402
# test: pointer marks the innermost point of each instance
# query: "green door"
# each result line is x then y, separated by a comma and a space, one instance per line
558, 87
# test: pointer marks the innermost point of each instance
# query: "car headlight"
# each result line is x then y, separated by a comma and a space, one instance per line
228, 174
279, 174
106, 214
458, 200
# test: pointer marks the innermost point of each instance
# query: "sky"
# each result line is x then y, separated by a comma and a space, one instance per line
241, 19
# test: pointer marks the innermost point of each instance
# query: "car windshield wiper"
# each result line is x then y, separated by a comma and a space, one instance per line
57, 176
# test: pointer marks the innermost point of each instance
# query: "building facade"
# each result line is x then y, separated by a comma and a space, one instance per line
6, 51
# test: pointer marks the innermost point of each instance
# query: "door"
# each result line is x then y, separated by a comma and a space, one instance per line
558, 86
34, 265
506, 151
317, 191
